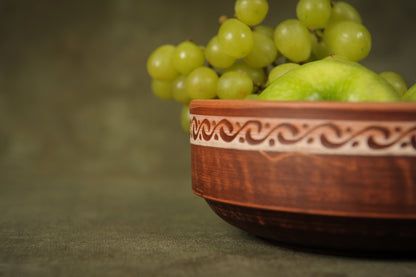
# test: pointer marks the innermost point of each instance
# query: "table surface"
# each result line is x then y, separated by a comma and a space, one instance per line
116, 224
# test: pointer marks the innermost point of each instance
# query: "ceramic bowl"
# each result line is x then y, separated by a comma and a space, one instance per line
329, 175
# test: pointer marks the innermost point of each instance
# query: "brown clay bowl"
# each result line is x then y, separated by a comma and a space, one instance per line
328, 175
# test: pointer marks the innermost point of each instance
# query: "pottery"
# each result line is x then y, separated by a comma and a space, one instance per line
327, 175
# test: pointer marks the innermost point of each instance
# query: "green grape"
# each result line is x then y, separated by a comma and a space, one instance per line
187, 57
201, 83
234, 85
252, 96
343, 11
251, 12
410, 95
396, 81
280, 70
257, 75
162, 89
265, 30
292, 39
185, 119
319, 49
264, 51
314, 13
235, 38
179, 91
159, 63
216, 56
349, 39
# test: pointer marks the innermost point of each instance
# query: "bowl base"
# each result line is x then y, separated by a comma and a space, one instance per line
333, 234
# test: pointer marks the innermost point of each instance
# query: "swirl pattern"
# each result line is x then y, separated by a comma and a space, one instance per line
305, 135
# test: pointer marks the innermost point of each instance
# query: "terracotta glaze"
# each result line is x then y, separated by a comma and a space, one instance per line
318, 174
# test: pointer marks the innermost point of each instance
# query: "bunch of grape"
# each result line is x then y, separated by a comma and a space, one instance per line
245, 56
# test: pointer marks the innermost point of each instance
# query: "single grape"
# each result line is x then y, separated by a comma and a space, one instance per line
314, 13
187, 57
265, 30
397, 81
410, 94
251, 12
257, 75
235, 38
349, 39
319, 49
252, 96
343, 11
234, 85
216, 56
179, 92
185, 119
292, 39
159, 63
280, 70
162, 89
201, 83
263, 53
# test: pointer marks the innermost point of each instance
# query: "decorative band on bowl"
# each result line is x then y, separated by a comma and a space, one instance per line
331, 137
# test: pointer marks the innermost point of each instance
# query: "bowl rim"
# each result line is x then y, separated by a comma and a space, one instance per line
401, 106
356, 111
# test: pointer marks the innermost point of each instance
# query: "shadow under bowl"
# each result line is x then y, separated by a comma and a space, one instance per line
327, 175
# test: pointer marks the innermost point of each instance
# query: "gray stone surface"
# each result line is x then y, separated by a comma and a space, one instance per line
95, 171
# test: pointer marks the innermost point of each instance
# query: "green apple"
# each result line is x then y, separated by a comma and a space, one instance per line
410, 95
279, 71
332, 78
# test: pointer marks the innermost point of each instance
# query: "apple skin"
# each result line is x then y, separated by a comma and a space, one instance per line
410, 95
331, 79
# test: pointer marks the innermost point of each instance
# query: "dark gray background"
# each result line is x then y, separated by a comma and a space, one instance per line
95, 171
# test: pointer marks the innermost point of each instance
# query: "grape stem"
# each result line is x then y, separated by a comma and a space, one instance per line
222, 19
316, 34
259, 86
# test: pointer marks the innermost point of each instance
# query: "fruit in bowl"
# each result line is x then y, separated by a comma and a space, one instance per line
331, 79
292, 139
